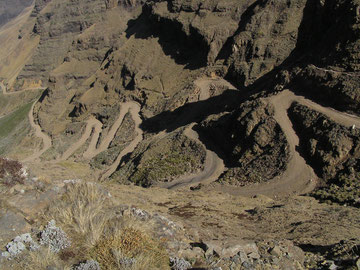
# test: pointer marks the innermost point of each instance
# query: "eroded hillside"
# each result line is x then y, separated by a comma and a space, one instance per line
255, 102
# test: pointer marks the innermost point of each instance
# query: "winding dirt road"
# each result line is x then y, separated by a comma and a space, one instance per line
7, 93
38, 133
93, 150
134, 109
299, 177
93, 127
213, 166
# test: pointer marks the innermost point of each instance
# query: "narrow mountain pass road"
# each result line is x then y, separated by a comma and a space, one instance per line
299, 177
46, 140
93, 149
213, 166
134, 109
93, 126
7, 93
40, 134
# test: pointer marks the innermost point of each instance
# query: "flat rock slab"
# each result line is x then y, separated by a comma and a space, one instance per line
11, 225
32, 202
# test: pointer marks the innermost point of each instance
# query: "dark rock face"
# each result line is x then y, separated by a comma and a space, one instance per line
243, 40
336, 89
9, 9
202, 25
267, 34
253, 144
336, 31
333, 150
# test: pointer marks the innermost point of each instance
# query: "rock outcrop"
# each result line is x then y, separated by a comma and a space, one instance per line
252, 144
333, 150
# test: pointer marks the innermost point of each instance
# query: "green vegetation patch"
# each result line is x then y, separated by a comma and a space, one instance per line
13, 128
162, 160
343, 190
10, 122
107, 157
170, 165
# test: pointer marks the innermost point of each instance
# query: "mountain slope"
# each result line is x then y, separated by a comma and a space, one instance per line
216, 113
9, 9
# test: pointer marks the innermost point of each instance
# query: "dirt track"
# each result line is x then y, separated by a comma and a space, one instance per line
298, 178
92, 151
134, 109
213, 166
38, 133
93, 126
93, 129
6, 93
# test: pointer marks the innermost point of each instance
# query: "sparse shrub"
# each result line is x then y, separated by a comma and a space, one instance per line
343, 190
130, 248
87, 213
12, 172
54, 237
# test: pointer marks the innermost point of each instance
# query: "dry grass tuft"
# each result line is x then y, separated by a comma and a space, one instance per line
82, 213
130, 248
86, 213
36, 260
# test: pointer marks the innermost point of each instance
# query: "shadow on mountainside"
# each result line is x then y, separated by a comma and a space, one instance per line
230, 99
303, 55
194, 112
188, 50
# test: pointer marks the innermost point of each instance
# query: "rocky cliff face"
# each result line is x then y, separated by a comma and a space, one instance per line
333, 151
267, 35
57, 31
252, 143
